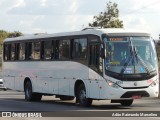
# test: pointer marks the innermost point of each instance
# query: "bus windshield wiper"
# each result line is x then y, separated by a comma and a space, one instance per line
138, 58
134, 55
131, 57
126, 63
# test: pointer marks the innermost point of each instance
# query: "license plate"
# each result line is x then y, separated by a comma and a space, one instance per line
136, 97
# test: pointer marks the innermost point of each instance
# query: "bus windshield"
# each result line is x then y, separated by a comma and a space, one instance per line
130, 55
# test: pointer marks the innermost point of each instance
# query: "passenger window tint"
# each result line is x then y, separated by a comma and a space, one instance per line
64, 49
21, 51
12, 51
36, 48
80, 48
7, 52
48, 50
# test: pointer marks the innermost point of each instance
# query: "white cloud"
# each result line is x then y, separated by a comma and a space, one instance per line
30, 16
137, 6
19, 3
43, 2
45, 16
74, 6
45, 7
136, 22
141, 14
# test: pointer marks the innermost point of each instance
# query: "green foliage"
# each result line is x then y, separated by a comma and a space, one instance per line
4, 34
14, 34
108, 18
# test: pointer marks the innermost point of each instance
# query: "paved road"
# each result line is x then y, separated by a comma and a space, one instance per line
14, 101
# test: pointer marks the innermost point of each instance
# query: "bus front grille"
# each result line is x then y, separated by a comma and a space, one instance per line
135, 87
130, 94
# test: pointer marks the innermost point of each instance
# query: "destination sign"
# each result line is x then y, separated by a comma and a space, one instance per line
117, 39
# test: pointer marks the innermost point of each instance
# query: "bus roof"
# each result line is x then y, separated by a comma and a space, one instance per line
87, 31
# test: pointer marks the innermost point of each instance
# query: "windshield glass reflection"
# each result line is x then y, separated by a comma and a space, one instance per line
130, 55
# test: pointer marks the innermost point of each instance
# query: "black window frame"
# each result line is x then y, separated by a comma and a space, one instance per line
73, 48
14, 57
64, 57
95, 43
8, 52
33, 53
43, 50
18, 51
27, 43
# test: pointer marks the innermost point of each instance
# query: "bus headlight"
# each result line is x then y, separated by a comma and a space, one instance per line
154, 83
111, 84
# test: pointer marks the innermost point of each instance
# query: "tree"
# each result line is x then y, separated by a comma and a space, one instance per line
14, 34
3, 35
108, 18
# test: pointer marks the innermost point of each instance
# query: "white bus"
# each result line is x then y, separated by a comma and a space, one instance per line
93, 64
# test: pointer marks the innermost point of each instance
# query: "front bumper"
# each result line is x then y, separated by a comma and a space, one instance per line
120, 93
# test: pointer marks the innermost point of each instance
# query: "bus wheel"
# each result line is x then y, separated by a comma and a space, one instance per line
5, 89
126, 102
29, 95
81, 96
62, 97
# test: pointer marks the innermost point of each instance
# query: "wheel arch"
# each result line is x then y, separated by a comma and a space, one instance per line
77, 84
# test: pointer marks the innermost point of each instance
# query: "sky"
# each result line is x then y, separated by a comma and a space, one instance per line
52, 16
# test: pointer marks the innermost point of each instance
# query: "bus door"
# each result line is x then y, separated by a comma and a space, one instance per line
95, 57
94, 63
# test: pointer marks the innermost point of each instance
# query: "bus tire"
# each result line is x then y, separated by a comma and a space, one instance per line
29, 95
126, 102
62, 97
5, 89
37, 97
81, 96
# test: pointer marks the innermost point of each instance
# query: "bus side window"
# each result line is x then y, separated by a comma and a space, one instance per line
21, 51
56, 49
94, 54
29, 51
36, 48
64, 49
7, 50
95, 60
13, 51
79, 48
48, 50
53, 50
